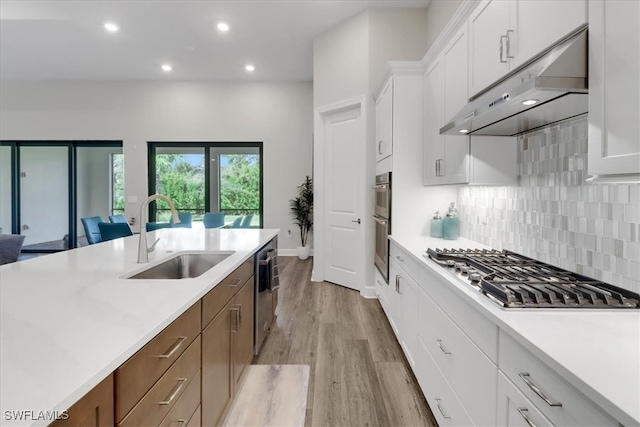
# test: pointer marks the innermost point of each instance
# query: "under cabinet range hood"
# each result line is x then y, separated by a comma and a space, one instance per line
550, 88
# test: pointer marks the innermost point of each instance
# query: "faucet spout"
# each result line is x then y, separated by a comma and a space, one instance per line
143, 249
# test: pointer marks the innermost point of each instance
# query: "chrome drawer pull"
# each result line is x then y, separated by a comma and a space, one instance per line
444, 414
399, 258
174, 392
237, 310
536, 390
181, 422
236, 282
523, 412
239, 315
173, 348
444, 350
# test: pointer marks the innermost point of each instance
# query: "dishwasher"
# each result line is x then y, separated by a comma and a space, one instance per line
267, 282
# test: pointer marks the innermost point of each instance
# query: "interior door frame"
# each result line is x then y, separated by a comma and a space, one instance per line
319, 169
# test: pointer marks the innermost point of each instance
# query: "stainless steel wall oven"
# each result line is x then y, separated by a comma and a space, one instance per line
383, 222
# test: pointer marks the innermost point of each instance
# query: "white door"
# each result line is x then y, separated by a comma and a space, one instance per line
343, 180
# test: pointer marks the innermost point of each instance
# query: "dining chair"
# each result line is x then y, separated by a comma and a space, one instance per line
10, 247
237, 222
213, 220
91, 229
118, 218
246, 221
152, 226
185, 220
110, 231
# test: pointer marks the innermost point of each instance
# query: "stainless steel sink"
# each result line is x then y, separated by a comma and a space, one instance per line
183, 266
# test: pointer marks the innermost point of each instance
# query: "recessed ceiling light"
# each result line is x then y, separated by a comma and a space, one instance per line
464, 131
222, 26
250, 68
166, 67
111, 27
530, 102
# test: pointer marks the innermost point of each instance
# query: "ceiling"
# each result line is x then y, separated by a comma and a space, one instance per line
66, 40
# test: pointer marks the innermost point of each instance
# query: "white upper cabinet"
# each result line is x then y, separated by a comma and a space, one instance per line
451, 159
384, 122
506, 34
614, 89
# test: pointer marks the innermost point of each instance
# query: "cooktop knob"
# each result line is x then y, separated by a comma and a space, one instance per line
460, 265
475, 277
450, 263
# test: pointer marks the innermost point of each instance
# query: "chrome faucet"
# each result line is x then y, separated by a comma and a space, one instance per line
143, 250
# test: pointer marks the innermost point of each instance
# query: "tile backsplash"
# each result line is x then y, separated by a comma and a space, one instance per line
554, 216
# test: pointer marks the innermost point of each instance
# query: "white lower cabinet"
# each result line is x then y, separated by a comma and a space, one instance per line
445, 405
514, 409
409, 291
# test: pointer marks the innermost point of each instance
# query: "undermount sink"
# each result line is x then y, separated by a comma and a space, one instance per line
183, 266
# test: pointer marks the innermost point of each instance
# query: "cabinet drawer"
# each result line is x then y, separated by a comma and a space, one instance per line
528, 372
482, 331
138, 374
162, 397
185, 406
405, 261
514, 409
219, 296
446, 407
472, 376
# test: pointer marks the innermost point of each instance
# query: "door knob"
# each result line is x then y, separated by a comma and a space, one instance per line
358, 221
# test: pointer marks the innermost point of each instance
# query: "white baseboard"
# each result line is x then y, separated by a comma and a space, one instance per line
368, 292
291, 252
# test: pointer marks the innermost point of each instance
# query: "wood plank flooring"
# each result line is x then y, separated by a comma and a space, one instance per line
358, 373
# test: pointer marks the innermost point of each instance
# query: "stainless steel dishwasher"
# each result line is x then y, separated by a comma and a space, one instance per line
267, 282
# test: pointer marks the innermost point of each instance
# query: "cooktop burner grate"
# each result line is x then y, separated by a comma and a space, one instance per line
514, 280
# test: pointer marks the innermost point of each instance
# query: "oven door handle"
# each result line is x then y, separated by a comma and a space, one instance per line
380, 220
380, 187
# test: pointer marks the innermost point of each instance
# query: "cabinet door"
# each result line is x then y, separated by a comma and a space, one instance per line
216, 367
385, 143
408, 290
242, 328
514, 409
393, 299
454, 168
488, 61
558, 18
614, 87
380, 117
95, 409
434, 109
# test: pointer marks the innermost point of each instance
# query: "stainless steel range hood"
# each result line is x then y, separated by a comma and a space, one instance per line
554, 84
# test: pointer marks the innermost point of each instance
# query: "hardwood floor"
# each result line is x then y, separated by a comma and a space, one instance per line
358, 374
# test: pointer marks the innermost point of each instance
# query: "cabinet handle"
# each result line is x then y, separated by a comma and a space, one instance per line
236, 282
174, 392
536, 390
399, 258
236, 309
509, 54
398, 290
444, 414
438, 167
444, 350
379, 147
397, 280
239, 315
173, 348
523, 412
502, 38
181, 422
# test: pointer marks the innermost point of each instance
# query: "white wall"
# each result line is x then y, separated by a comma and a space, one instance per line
277, 113
439, 13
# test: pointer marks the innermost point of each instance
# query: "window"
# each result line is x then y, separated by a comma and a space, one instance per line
117, 183
239, 185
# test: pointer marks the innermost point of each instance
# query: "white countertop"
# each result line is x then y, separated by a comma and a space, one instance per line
597, 351
68, 320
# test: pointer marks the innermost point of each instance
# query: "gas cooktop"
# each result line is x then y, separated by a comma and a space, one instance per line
515, 281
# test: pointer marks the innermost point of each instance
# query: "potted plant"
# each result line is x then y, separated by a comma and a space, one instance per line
302, 212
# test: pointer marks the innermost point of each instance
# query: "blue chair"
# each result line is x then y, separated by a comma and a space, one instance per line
118, 219
236, 222
213, 220
185, 220
10, 247
91, 229
152, 226
246, 222
110, 231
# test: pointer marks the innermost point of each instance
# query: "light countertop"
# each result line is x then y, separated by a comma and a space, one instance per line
597, 351
68, 320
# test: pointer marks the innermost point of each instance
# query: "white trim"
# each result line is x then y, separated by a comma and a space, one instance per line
413, 68
291, 252
317, 273
368, 292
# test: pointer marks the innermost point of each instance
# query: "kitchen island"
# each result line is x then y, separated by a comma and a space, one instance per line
68, 320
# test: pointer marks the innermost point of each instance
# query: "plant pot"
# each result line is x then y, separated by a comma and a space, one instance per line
303, 252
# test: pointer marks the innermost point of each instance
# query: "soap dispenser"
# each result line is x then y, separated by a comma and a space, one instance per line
451, 224
436, 225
